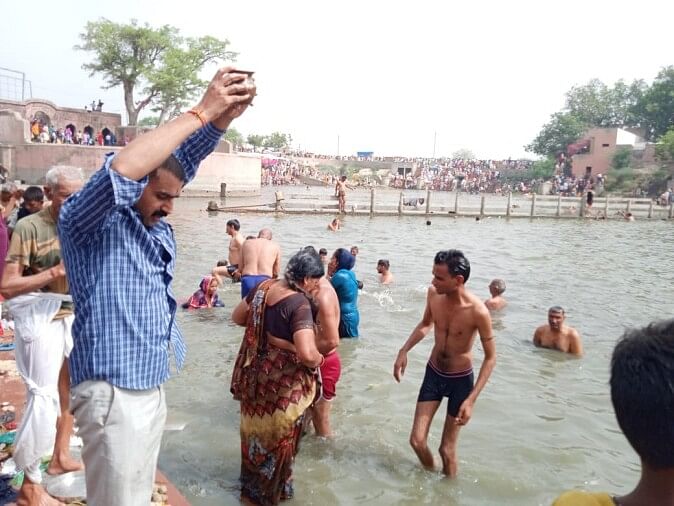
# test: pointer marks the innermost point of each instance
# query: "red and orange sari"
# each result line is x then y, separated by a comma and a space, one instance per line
275, 390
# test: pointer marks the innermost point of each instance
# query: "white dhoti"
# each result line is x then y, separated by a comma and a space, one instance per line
41, 346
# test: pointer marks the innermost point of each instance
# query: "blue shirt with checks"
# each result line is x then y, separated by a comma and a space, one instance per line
120, 276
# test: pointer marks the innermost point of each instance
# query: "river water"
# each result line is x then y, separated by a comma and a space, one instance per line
544, 422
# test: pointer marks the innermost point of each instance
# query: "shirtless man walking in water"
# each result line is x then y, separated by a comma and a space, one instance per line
340, 191
327, 341
457, 316
234, 258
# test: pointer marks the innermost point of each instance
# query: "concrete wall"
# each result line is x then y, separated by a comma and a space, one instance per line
30, 162
241, 172
604, 142
602, 149
13, 128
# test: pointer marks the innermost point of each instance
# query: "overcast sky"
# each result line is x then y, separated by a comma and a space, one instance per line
480, 75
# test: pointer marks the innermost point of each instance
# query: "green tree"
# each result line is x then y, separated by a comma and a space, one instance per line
177, 78
656, 106
463, 154
277, 140
563, 129
541, 169
149, 121
599, 105
621, 176
664, 149
157, 61
234, 136
255, 140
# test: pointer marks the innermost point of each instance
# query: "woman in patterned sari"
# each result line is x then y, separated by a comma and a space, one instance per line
274, 377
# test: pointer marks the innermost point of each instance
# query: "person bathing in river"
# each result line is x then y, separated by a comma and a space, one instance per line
206, 296
457, 316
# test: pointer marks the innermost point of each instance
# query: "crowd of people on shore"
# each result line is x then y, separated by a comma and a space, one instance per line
49, 134
88, 281
283, 171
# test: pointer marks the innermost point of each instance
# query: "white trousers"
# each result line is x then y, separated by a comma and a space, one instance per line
41, 346
121, 433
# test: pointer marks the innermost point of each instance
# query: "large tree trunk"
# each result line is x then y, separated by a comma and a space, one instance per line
131, 111
162, 115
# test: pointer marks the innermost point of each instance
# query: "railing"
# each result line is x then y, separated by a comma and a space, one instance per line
483, 206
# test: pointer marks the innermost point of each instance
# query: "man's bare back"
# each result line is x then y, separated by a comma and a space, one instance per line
495, 303
260, 257
327, 320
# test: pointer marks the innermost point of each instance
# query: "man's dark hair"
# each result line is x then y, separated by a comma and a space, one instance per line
642, 391
234, 224
322, 251
455, 261
222, 263
33, 194
173, 165
556, 309
384, 262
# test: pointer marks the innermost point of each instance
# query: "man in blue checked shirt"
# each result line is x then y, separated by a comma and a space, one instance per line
120, 258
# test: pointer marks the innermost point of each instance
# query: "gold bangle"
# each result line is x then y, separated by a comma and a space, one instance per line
198, 114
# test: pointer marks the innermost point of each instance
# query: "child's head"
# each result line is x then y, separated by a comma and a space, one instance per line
33, 199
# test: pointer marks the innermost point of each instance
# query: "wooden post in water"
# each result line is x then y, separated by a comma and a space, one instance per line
559, 206
372, 194
629, 206
482, 205
606, 207
533, 205
456, 203
650, 209
400, 204
581, 206
428, 202
509, 204
671, 211
223, 189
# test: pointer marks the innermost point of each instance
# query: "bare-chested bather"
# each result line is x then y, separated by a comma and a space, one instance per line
260, 260
558, 336
457, 316
232, 269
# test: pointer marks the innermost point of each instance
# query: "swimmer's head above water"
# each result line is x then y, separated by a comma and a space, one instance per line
556, 317
497, 287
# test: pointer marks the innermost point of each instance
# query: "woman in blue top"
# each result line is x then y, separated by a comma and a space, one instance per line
344, 282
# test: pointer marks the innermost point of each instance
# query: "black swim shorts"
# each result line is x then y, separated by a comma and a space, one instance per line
456, 386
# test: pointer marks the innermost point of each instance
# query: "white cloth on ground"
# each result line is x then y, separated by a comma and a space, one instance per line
41, 345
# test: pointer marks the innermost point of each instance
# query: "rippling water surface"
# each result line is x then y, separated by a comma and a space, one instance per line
543, 424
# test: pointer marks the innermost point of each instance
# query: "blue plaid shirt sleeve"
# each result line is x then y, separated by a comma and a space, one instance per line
197, 147
86, 211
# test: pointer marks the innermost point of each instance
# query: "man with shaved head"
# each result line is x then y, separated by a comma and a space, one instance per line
260, 260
